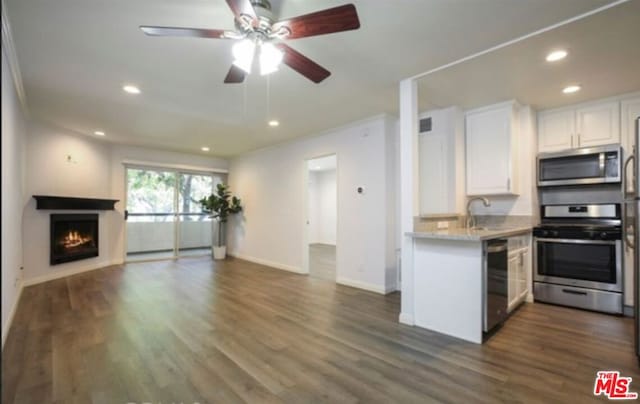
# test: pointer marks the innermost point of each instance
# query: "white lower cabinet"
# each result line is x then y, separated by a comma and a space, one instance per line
519, 267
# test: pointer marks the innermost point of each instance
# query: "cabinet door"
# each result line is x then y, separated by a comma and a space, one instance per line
630, 110
598, 124
514, 260
489, 152
433, 173
556, 130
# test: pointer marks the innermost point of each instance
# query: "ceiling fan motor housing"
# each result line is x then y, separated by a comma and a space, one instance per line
261, 27
263, 11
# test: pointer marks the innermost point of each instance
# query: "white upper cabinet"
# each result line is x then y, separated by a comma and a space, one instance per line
598, 124
491, 135
585, 125
555, 130
630, 111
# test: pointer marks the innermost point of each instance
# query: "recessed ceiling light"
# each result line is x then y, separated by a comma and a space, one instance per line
131, 89
571, 89
98, 133
205, 149
274, 123
557, 55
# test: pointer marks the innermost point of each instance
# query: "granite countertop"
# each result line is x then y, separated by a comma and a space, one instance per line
464, 234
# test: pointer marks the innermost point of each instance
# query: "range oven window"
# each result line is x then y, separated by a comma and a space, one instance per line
586, 262
570, 168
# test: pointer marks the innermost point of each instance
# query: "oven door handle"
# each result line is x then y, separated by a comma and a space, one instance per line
576, 241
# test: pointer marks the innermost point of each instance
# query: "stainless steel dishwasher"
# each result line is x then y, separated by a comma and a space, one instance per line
495, 283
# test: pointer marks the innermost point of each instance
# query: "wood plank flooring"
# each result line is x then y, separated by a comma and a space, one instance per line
322, 261
196, 331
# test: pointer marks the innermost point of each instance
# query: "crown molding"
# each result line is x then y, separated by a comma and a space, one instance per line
10, 51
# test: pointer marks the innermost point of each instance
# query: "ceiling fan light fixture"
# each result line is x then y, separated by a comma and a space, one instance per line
243, 53
270, 58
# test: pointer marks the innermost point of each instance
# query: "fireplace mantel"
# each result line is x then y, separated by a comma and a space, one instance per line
66, 203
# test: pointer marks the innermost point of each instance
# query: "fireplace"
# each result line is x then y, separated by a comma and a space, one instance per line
73, 237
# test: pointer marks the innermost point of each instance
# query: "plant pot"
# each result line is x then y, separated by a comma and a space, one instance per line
219, 253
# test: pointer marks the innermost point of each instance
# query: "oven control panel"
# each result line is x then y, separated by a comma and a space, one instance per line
577, 233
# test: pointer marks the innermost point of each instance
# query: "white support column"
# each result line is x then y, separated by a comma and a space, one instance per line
408, 190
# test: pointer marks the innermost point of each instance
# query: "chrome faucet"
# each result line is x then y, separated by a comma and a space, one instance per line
471, 220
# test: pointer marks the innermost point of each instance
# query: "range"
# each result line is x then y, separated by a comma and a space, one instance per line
578, 256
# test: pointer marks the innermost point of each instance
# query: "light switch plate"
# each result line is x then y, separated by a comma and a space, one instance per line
443, 225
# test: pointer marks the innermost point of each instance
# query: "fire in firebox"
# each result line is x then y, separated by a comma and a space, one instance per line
73, 237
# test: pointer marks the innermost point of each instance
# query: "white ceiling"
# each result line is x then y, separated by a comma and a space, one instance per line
604, 58
75, 55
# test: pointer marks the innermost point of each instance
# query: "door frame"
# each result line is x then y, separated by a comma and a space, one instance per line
305, 224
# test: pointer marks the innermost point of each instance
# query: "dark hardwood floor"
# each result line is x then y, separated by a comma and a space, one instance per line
194, 331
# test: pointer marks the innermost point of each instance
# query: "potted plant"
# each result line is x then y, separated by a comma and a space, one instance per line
220, 205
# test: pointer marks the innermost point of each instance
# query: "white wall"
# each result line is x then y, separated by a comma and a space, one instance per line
95, 169
63, 164
322, 207
13, 194
272, 185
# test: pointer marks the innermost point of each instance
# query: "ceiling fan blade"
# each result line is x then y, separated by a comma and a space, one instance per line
302, 64
343, 18
185, 32
235, 75
240, 7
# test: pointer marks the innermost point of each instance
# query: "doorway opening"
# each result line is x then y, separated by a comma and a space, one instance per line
163, 213
322, 207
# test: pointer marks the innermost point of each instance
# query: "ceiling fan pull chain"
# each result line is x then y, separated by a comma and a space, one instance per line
268, 98
244, 100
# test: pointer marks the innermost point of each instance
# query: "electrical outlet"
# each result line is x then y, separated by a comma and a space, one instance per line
443, 225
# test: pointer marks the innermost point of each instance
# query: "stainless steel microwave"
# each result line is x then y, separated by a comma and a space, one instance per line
588, 165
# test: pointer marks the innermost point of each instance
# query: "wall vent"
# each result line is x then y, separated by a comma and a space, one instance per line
425, 125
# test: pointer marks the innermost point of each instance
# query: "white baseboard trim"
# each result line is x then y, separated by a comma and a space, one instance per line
391, 288
12, 313
67, 272
276, 265
362, 285
406, 318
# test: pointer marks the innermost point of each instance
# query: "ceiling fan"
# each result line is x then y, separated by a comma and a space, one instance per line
257, 32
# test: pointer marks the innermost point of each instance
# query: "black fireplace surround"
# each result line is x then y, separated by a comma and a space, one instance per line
73, 237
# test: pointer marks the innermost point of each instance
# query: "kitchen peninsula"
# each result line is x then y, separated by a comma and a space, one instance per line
449, 277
